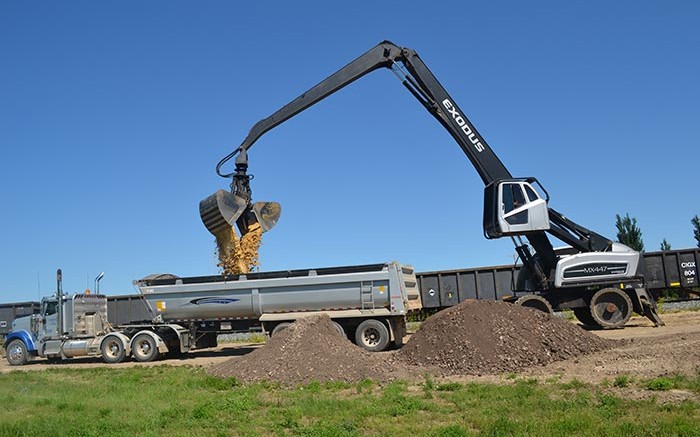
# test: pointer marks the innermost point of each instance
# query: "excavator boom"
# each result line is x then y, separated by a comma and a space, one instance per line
420, 82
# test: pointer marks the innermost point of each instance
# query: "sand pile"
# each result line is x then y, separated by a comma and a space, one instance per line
238, 255
484, 337
311, 350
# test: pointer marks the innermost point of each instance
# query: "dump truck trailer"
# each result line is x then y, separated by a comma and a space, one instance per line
367, 303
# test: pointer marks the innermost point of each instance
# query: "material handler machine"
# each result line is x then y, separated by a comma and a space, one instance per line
602, 281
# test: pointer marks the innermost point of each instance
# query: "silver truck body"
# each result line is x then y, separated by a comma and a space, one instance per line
387, 290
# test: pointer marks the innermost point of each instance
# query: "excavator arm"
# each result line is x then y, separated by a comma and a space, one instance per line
425, 87
417, 78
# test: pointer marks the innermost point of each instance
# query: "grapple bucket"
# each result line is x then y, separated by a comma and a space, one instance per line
266, 214
223, 209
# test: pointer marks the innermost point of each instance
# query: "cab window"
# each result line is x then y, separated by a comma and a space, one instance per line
512, 197
531, 193
50, 308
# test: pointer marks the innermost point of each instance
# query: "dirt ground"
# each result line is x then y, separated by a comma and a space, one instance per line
646, 352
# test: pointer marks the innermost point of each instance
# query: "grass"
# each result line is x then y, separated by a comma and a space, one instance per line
673, 382
251, 337
567, 314
622, 381
183, 401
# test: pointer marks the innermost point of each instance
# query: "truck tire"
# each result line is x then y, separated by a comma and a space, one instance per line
113, 350
279, 328
372, 335
611, 308
338, 327
144, 348
17, 354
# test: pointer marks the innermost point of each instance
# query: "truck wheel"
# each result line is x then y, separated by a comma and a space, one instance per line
112, 350
279, 328
611, 308
338, 327
144, 348
535, 302
372, 335
17, 354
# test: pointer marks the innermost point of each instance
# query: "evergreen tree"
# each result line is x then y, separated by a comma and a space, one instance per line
665, 245
696, 228
628, 233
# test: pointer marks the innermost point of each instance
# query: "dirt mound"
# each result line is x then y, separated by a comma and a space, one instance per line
472, 338
484, 337
311, 349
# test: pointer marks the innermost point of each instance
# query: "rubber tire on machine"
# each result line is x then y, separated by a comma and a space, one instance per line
372, 335
17, 353
584, 316
611, 308
144, 348
279, 328
535, 302
113, 350
340, 329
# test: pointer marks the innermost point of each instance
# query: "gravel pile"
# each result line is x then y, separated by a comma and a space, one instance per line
484, 337
311, 350
472, 338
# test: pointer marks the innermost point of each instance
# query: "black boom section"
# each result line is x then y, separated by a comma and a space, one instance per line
425, 87
421, 83
445, 110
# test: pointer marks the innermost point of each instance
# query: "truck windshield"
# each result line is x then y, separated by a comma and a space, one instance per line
50, 308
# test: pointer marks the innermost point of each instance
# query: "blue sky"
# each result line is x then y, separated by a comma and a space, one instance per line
114, 114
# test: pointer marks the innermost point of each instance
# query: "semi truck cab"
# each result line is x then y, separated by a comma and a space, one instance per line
41, 325
75, 328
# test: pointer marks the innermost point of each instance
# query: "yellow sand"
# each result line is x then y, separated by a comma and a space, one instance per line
238, 255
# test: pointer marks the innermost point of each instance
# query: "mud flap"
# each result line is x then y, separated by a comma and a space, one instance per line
646, 306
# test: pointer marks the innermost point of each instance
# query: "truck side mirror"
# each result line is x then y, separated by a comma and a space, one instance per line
513, 207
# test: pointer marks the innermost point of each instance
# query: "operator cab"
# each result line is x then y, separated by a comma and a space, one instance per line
514, 207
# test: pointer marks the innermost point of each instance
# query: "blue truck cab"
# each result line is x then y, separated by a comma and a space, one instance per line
28, 332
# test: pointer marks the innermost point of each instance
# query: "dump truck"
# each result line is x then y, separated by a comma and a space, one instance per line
367, 303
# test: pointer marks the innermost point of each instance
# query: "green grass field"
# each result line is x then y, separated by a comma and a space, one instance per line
174, 401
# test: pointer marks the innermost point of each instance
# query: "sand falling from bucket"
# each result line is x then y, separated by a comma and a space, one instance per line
238, 255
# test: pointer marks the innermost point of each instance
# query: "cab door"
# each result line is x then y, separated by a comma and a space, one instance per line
49, 319
514, 207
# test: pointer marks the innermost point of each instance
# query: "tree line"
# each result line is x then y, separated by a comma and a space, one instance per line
629, 234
